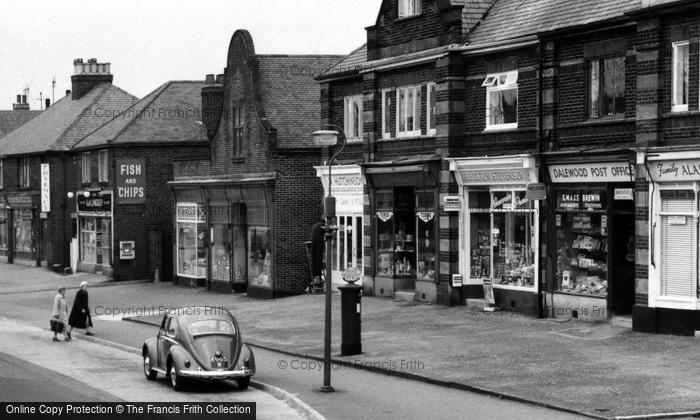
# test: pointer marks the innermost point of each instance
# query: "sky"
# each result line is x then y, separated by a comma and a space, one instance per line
151, 42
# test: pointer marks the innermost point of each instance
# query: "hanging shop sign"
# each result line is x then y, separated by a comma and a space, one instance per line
127, 250
130, 181
536, 192
624, 194
592, 172
384, 215
189, 212
451, 203
45, 189
675, 170
95, 202
457, 280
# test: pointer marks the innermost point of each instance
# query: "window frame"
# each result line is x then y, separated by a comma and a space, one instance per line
102, 166
417, 98
85, 168
430, 112
23, 179
493, 83
349, 118
683, 107
238, 122
386, 113
415, 9
600, 62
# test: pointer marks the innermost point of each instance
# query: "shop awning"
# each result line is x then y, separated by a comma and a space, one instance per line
420, 171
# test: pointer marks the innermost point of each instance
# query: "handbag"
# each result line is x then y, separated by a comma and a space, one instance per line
56, 325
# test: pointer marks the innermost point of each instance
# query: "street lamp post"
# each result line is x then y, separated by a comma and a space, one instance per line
329, 138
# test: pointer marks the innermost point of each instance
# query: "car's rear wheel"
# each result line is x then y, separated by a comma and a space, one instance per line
147, 370
243, 382
177, 381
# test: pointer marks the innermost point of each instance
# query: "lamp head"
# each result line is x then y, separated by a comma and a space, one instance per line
325, 137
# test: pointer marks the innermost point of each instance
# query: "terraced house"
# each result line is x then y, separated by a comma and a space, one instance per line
508, 148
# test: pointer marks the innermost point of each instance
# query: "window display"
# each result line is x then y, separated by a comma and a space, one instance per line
220, 253
260, 256
425, 236
347, 246
502, 237
23, 230
582, 243
3, 230
192, 257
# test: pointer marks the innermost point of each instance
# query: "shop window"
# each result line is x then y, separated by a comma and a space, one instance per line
606, 93
409, 8
95, 240
220, 253
22, 224
502, 237
259, 256
408, 103
387, 96
353, 117
396, 235
24, 172
2, 174
347, 247
501, 100
680, 82
425, 235
582, 230
678, 243
103, 166
85, 167
430, 112
238, 125
3, 230
191, 250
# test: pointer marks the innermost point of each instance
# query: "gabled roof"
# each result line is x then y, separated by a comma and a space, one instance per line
290, 96
11, 120
169, 114
351, 63
512, 19
66, 122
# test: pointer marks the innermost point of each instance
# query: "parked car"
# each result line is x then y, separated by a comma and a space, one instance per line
202, 343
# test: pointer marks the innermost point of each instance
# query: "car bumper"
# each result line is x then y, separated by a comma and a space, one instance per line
217, 374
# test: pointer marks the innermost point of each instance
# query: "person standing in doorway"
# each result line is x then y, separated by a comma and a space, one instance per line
80, 314
59, 321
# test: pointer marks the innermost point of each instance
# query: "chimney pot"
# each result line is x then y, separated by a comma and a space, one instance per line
219, 79
92, 60
88, 75
209, 79
19, 99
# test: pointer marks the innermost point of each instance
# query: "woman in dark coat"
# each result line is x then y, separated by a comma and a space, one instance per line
80, 314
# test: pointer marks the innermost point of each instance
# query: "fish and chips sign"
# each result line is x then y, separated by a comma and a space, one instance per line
130, 181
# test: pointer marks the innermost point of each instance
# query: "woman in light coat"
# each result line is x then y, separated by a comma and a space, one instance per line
60, 313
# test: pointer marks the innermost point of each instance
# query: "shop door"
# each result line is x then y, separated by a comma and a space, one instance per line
622, 272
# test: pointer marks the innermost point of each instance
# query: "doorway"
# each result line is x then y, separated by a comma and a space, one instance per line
622, 258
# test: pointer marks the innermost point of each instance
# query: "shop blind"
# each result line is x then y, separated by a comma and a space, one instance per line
678, 250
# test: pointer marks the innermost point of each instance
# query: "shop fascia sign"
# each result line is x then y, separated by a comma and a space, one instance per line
592, 172
95, 202
675, 170
191, 212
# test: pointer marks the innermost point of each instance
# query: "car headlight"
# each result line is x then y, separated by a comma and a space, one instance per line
187, 363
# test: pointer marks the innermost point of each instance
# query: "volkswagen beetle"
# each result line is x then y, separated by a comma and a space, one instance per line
198, 343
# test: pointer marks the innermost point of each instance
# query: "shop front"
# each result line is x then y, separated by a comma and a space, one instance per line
18, 227
95, 231
404, 207
224, 237
592, 227
347, 186
674, 204
499, 230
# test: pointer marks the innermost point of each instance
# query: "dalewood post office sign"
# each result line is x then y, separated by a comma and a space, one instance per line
130, 181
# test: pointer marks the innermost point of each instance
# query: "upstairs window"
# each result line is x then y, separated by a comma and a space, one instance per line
680, 77
85, 167
606, 92
24, 172
408, 103
102, 166
409, 8
353, 117
387, 96
2, 178
431, 104
238, 124
501, 100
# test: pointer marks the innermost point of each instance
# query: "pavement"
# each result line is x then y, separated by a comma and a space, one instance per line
601, 370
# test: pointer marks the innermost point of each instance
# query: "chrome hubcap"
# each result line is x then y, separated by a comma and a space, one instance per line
147, 365
173, 376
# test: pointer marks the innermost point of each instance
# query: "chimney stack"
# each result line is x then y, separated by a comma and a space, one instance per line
212, 103
21, 104
87, 75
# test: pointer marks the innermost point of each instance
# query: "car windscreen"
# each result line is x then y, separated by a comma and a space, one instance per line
211, 326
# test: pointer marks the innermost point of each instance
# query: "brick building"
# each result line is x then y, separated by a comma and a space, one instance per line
123, 201
458, 113
243, 214
37, 159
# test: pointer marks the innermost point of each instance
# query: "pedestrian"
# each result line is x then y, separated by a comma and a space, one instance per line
80, 314
59, 319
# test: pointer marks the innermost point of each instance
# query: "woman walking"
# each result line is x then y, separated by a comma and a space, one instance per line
59, 321
80, 314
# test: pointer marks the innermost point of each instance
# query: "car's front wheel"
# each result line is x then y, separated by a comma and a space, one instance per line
243, 382
147, 370
177, 381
